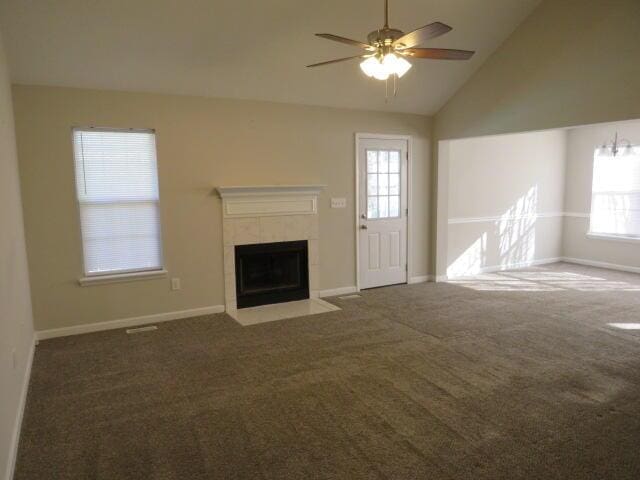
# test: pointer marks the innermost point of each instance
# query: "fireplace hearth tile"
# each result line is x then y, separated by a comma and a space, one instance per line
280, 311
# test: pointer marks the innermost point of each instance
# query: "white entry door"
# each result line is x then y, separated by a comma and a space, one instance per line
382, 226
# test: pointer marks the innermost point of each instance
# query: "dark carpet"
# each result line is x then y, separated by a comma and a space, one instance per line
517, 375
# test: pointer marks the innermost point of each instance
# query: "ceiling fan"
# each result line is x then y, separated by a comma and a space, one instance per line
388, 49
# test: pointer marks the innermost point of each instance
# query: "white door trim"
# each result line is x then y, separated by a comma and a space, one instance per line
382, 136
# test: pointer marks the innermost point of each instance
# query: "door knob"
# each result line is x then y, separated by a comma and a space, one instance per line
363, 227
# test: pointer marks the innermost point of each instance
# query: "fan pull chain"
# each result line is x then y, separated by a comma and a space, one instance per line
396, 83
386, 90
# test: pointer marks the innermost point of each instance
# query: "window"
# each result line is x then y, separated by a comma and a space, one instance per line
117, 188
383, 184
615, 201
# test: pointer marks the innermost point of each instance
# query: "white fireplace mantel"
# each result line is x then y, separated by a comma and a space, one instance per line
269, 200
262, 190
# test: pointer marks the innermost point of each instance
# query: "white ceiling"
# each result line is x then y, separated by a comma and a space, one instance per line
252, 49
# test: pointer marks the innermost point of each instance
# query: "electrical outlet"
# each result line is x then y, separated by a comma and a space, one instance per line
175, 284
338, 202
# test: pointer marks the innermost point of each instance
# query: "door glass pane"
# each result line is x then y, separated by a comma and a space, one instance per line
383, 184
372, 207
384, 207
372, 184
394, 184
383, 161
372, 161
394, 162
394, 206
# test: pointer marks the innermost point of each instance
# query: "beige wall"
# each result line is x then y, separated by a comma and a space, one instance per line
582, 143
202, 143
16, 328
570, 63
505, 196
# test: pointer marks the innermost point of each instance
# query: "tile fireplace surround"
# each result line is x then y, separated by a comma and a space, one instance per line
266, 214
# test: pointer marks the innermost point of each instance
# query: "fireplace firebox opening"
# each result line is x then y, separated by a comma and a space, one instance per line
268, 273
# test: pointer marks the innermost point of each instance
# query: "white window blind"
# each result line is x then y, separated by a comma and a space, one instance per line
117, 188
615, 201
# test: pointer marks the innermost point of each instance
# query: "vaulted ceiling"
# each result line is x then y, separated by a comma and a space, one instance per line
249, 49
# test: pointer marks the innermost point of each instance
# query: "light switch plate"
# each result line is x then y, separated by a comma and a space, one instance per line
175, 284
338, 202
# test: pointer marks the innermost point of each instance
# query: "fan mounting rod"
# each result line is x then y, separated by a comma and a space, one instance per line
384, 36
386, 13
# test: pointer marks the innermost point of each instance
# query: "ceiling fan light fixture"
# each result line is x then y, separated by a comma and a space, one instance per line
380, 73
387, 49
370, 66
395, 65
391, 64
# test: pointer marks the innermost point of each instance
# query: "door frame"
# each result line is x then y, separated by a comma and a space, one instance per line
382, 136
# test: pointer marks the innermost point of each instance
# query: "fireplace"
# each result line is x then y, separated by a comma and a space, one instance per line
271, 273
262, 215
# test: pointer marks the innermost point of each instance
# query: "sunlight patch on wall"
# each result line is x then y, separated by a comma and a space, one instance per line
516, 230
511, 241
471, 261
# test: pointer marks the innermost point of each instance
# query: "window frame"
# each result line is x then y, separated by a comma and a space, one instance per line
624, 238
126, 275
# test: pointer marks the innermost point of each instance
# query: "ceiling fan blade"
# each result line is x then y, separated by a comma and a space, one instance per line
422, 34
348, 41
437, 53
337, 60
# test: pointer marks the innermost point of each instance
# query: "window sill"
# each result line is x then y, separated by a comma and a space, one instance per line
614, 238
121, 277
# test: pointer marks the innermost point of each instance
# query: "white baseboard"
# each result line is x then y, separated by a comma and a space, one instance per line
510, 266
15, 437
332, 292
594, 263
441, 278
420, 279
127, 322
